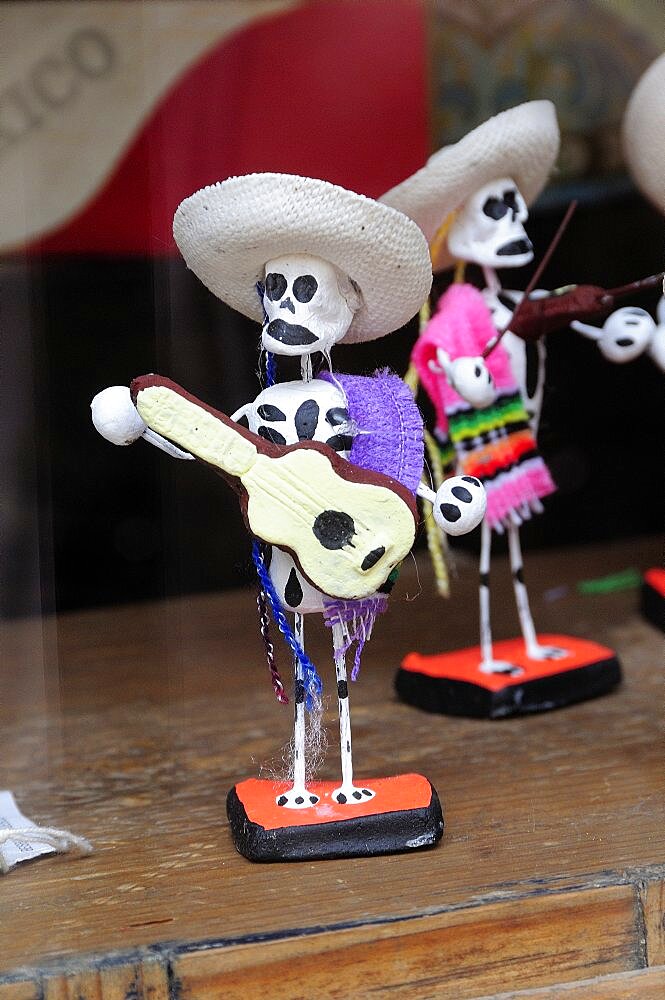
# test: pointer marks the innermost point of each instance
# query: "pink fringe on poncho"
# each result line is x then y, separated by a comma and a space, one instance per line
494, 444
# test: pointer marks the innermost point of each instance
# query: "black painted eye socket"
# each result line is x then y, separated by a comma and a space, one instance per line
495, 208
304, 287
275, 286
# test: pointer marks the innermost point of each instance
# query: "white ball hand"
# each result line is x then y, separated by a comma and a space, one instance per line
458, 505
117, 419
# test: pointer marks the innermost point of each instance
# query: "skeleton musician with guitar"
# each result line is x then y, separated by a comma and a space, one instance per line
326, 471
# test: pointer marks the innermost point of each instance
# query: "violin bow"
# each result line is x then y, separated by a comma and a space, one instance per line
536, 276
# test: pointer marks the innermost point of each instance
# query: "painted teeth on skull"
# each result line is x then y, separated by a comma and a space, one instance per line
308, 307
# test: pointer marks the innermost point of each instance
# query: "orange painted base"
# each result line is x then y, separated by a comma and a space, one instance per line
452, 683
405, 814
653, 597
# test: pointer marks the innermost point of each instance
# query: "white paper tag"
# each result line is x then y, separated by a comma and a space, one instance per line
15, 851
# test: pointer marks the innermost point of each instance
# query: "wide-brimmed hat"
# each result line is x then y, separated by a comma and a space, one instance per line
521, 143
644, 133
228, 231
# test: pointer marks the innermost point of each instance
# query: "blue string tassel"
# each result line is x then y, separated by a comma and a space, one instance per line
312, 681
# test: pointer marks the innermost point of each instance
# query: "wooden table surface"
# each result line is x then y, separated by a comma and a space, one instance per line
128, 725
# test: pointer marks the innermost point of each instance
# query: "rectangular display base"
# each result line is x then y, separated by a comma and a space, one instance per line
653, 597
452, 683
404, 815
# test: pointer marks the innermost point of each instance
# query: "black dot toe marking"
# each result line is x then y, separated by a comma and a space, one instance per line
471, 479
337, 415
372, 558
357, 795
366, 791
450, 511
341, 798
299, 800
282, 800
313, 799
334, 529
269, 412
270, 434
307, 417
340, 442
293, 591
461, 493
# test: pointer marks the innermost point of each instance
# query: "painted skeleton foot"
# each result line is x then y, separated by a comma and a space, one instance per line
537, 652
297, 798
350, 795
500, 667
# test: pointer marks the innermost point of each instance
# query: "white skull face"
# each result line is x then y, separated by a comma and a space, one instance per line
489, 229
625, 334
309, 305
468, 376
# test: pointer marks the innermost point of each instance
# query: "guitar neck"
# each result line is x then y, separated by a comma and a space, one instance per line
206, 433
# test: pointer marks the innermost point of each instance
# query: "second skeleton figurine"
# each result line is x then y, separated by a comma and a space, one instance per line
471, 201
316, 265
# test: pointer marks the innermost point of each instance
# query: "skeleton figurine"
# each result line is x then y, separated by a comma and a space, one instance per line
317, 264
628, 333
471, 202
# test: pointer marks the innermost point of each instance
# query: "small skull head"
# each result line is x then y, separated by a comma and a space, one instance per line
624, 335
489, 229
308, 304
468, 376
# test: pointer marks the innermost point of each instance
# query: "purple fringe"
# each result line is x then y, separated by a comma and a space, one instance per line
357, 620
388, 425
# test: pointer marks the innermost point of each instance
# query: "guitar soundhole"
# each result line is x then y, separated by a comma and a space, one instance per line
334, 529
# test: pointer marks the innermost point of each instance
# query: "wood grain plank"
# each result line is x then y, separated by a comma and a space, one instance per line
23, 990
653, 903
161, 707
645, 984
134, 980
458, 955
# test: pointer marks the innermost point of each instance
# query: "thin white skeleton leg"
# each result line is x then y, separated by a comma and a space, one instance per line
486, 649
299, 709
488, 664
297, 797
534, 650
347, 792
521, 595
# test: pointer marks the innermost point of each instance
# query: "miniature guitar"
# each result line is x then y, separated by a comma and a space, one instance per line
346, 527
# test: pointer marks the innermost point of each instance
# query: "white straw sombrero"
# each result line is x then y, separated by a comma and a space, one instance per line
521, 143
228, 231
644, 133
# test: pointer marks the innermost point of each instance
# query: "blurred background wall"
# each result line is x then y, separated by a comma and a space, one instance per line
111, 113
